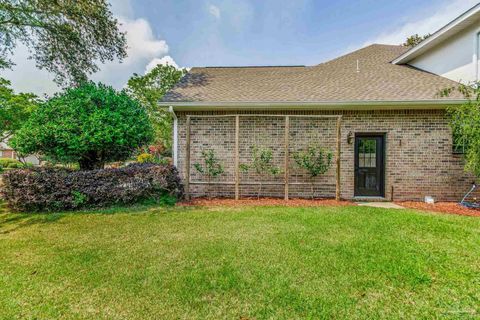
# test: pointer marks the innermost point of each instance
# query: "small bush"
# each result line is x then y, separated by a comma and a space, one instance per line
53, 189
14, 165
152, 158
10, 163
145, 158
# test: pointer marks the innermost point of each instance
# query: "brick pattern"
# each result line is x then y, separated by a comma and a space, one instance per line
264, 133
305, 132
7, 154
419, 159
219, 136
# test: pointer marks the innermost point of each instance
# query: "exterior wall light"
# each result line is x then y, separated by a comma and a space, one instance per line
350, 137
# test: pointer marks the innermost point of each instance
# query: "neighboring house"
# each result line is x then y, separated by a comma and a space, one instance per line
393, 132
8, 152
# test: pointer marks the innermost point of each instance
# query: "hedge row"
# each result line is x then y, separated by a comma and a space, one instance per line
53, 189
8, 163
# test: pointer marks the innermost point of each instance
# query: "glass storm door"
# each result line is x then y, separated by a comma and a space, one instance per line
369, 165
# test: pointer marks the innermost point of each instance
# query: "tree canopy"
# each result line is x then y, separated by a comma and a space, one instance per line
414, 40
65, 37
149, 90
90, 124
14, 109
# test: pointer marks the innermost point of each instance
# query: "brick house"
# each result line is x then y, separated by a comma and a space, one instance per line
7, 152
377, 109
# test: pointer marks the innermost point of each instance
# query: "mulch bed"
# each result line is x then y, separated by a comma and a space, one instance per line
444, 207
264, 202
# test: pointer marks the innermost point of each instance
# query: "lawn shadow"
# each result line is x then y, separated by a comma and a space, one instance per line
194, 80
11, 221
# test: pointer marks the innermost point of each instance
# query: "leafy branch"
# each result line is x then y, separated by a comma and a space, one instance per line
315, 160
261, 164
211, 166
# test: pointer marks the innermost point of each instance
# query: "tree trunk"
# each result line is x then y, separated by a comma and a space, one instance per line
91, 162
209, 186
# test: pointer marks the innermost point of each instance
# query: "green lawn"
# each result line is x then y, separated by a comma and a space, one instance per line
239, 263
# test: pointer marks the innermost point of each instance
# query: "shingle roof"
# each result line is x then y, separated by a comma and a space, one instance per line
334, 81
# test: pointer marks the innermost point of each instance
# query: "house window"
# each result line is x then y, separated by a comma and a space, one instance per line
367, 156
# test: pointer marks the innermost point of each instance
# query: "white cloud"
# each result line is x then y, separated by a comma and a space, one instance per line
141, 40
424, 25
25, 77
214, 11
167, 60
143, 48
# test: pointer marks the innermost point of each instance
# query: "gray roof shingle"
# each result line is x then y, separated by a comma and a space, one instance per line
333, 81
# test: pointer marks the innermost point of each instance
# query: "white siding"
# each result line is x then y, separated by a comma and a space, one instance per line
455, 58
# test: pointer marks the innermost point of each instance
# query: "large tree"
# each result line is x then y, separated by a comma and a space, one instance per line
14, 109
149, 90
65, 37
90, 124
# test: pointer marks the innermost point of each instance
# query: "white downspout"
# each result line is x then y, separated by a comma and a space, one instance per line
175, 137
476, 53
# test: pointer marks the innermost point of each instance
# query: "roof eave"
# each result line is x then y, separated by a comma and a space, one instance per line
320, 105
440, 35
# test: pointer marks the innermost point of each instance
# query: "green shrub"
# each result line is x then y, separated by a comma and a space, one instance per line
211, 167
14, 166
78, 198
10, 163
262, 164
315, 160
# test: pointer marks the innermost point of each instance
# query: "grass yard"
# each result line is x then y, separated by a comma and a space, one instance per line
239, 263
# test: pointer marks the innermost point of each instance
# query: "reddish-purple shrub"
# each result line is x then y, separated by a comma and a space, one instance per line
52, 189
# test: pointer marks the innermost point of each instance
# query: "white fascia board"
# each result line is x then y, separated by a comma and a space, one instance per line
345, 105
448, 30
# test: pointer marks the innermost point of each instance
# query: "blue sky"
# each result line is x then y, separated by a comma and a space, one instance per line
256, 32
251, 32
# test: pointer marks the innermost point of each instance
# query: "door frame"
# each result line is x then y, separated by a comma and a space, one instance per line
383, 137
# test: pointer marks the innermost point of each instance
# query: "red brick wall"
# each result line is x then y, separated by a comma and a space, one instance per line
419, 159
7, 154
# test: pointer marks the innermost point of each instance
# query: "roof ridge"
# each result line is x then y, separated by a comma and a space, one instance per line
361, 49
